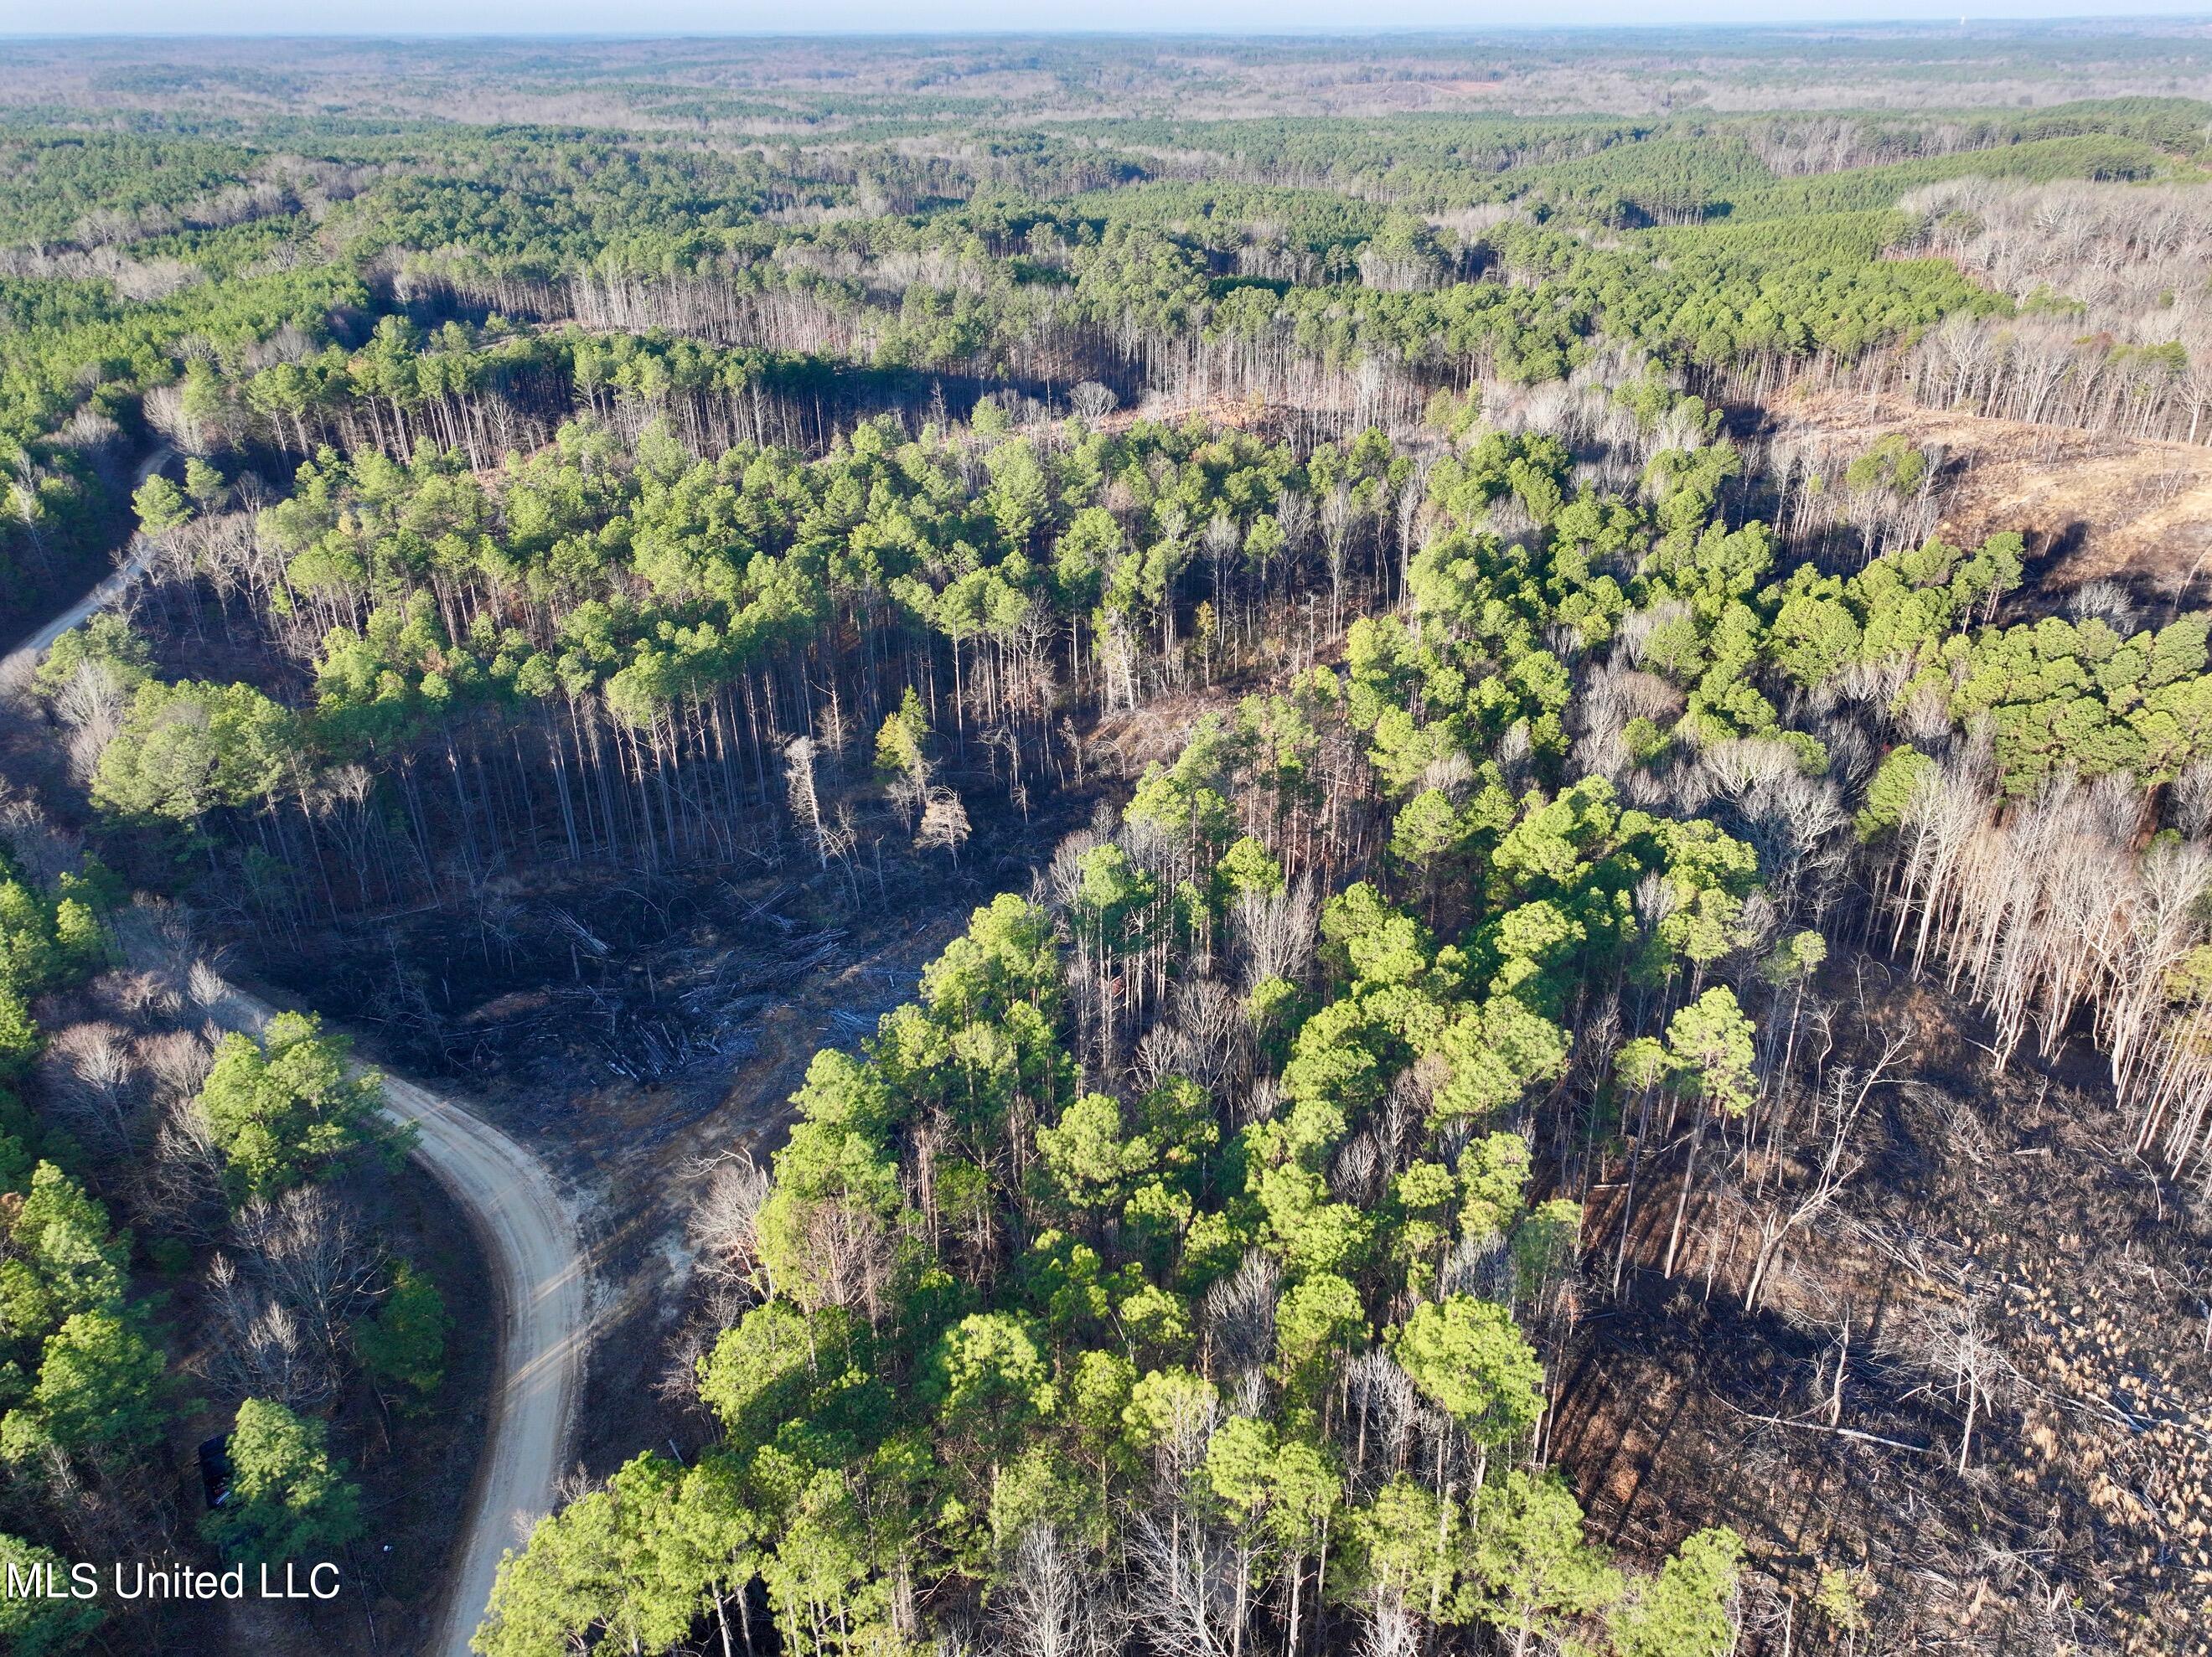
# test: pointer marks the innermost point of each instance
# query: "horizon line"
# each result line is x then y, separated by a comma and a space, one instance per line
1219, 31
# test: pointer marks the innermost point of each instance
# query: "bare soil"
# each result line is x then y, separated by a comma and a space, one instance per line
2090, 508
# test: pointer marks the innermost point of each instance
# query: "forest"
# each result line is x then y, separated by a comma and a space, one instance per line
1270, 841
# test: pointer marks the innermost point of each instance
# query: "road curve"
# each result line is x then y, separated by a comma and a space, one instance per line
537, 1267
507, 1194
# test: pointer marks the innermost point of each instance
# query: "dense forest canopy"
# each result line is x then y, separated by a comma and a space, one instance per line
1500, 872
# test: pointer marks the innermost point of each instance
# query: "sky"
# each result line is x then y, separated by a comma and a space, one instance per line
632, 17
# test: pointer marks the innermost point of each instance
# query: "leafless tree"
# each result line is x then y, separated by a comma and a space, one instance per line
1181, 1446
2047, 911
721, 1223
254, 1348
1207, 1038
1383, 1414
90, 1078
1240, 1316
179, 1189
1479, 1265
1047, 1605
1340, 520
42, 848
833, 731
1091, 401
1356, 1173
1391, 1631
2129, 255
1277, 931
1612, 696
1956, 1347
799, 786
1188, 1602
944, 823
308, 1253
176, 1061
205, 985
2190, 800
1294, 514
1839, 1161
91, 706
846, 1258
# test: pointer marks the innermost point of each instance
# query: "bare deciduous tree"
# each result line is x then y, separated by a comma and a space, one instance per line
1189, 1603
1240, 1316
1391, 1631
308, 1252
90, 1078
847, 1256
91, 704
1091, 401
1386, 1411
944, 823
1955, 1346
1277, 931
1048, 1604
179, 1187
1839, 1161
721, 1223
254, 1348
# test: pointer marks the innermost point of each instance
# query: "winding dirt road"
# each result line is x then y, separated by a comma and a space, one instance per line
537, 1269
532, 1247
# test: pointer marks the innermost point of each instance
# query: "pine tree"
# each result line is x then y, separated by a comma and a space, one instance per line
288, 1500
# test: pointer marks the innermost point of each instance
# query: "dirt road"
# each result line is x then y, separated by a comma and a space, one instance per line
16, 667
532, 1247
528, 1241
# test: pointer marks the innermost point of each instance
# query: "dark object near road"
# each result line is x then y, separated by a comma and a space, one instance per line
215, 1469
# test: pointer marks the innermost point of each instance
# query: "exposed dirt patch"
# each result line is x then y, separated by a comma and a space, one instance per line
555, 979
2091, 507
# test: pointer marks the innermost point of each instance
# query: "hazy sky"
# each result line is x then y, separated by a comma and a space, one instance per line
388, 17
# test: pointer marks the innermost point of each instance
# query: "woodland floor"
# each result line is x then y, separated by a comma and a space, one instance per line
2082, 1523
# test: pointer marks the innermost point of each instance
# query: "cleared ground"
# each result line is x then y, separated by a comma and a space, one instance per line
2090, 508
